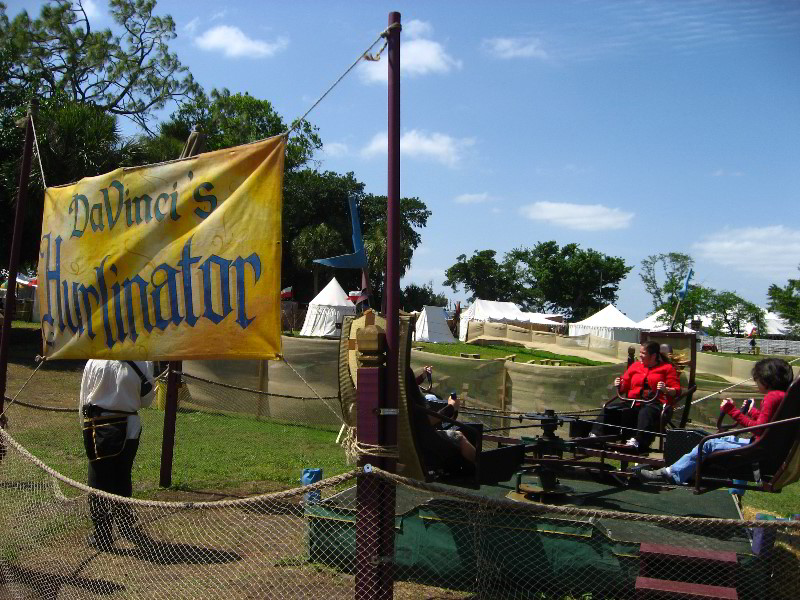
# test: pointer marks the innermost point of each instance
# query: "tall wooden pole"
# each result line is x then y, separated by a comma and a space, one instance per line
392, 285
16, 240
194, 146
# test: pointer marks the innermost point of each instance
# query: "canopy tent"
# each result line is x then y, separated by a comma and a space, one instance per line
655, 322
432, 326
491, 311
607, 323
326, 311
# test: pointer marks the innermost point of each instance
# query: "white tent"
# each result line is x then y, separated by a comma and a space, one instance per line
491, 311
326, 311
432, 326
608, 323
654, 322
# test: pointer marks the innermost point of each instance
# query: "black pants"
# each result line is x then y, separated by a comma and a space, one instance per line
112, 475
646, 417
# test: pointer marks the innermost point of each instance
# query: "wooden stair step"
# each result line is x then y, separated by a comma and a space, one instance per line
647, 549
647, 587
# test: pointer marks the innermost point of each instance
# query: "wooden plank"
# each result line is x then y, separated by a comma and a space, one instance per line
649, 548
647, 587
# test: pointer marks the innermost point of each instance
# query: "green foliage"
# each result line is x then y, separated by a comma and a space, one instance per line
663, 283
132, 74
415, 297
75, 141
567, 280
663, 276
730, 313
786, 302
231, 120
482, 275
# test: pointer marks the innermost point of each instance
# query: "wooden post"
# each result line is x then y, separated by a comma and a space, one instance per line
170, 415
375, 498
263, 386
16, 240
194, 145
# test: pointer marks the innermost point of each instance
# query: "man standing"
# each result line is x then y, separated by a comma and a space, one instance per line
111, 394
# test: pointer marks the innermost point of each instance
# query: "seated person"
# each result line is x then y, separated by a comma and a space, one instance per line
773, 377
447, 448
639, 381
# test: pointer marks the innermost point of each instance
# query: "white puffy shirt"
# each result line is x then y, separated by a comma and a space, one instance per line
114, 385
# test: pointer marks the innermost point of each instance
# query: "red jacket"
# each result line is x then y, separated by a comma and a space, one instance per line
769, 405
634, 377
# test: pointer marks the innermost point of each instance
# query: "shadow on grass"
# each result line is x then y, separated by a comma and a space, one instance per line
168, 553
48, 585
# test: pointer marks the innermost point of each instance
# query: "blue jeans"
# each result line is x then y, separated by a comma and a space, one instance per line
686, 466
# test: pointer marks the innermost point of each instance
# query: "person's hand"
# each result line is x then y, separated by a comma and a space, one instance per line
428, 369
726, 405
617, 381
747, 405
660, 386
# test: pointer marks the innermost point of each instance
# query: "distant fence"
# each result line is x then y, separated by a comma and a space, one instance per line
742, 345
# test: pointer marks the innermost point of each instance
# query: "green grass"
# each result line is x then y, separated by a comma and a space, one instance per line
501, 351
755, 357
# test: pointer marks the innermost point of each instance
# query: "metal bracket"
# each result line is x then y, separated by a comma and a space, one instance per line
381, 560
386, 412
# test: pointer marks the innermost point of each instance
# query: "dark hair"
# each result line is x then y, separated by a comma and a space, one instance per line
773, 374
653, 348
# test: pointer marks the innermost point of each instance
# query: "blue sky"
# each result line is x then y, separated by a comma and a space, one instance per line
633, 128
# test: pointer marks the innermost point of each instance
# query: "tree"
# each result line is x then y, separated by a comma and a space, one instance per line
231, 120
786, 302
730, 313
315, 241
482, 275
567, 280
663, 284
132, 75
415, 297
75, 140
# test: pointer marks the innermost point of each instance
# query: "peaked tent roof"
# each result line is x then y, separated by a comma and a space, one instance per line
432, 326
332, 295
653, 322
610, 316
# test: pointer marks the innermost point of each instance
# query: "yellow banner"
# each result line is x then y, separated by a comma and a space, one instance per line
179, 260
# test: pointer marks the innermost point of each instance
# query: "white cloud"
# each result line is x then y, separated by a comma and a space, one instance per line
417, 29
507, 48
725, 173
473, 198
421, 56
91, 9
772, 251
191, 26
335, 149
418, 144
234, 43
218, 15
585, 217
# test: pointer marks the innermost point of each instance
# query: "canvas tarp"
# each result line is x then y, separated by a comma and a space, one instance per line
432, 326
326, 311
607, 323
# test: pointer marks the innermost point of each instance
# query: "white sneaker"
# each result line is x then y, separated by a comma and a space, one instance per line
591, 435
632, 443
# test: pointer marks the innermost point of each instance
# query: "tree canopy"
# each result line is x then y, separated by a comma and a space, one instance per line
786, 302
566, 280
131, 73
415, 297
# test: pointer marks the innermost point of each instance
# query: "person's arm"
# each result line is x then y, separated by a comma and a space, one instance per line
625, 383
768, 406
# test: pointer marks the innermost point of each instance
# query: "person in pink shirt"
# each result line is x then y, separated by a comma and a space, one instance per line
773, 376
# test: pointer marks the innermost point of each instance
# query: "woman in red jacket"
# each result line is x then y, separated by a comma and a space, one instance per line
651, 375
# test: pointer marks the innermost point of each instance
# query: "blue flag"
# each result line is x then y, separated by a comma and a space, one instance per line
685, 290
